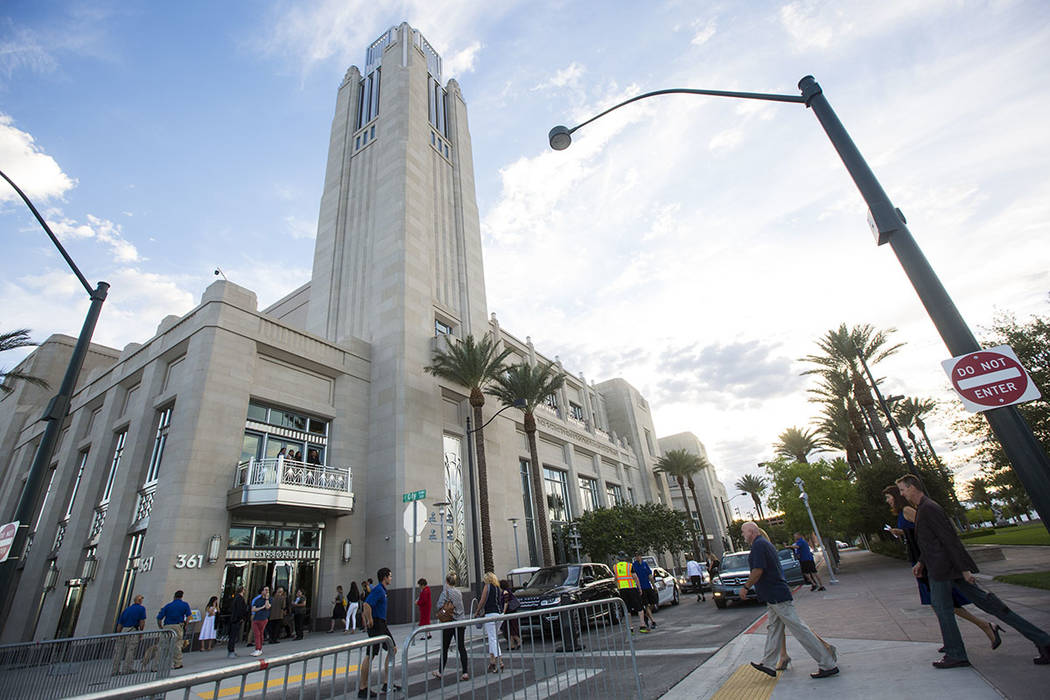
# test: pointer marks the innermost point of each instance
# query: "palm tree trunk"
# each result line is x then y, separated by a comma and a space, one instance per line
922, 429
483, 486
539, 502
699, 516
692, 530
919, 452
859, 425
867, 404
758, 505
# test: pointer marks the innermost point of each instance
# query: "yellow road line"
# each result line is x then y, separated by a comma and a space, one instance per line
276, 682
746, 684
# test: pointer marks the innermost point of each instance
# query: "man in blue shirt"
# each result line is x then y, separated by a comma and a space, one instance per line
172, 617
768, 580
644, 573
373, 617
133, 619
805, 558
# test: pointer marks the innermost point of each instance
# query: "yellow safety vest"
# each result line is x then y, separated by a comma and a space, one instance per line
624, 578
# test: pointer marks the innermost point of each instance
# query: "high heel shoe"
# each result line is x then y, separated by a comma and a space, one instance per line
996, 629
782, 666
492, 668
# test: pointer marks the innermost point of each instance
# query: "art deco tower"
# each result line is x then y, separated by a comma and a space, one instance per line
398, 256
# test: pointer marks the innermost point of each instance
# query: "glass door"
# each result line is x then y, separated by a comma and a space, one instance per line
67, 621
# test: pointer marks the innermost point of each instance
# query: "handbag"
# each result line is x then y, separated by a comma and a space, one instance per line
513, 604
447, 612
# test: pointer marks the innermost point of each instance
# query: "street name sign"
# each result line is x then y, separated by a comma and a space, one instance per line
413, 496
990, 378
7, 538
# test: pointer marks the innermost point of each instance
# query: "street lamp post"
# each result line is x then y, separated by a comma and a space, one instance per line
441, 506
1025, 453
816, 531
475, 518
517, 559
54, 415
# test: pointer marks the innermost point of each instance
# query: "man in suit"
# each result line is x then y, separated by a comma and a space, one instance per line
947, 564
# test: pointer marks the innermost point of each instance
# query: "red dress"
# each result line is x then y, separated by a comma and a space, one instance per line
424, 606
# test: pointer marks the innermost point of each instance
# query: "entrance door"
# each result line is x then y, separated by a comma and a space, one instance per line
67, 621
259, 575
306, 579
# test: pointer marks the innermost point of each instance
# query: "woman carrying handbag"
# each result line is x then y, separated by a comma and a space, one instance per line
450, 608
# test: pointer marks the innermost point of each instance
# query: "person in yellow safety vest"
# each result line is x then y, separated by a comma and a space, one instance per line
627, 586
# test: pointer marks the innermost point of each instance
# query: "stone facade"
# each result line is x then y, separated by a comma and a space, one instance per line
168, 474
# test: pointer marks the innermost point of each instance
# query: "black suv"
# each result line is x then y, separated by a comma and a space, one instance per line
565, 584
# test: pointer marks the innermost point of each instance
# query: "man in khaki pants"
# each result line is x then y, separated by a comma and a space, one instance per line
132, 619
172, 617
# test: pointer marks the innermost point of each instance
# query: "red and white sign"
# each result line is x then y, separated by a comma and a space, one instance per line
7, 538
990, 378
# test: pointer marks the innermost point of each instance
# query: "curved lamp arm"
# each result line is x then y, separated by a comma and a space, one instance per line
561, 136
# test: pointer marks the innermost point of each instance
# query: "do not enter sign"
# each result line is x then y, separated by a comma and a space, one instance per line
990, 378
7, 538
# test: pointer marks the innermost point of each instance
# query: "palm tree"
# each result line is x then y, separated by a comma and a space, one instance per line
756, 486
701, 464
474, 364
10, 341
979, 492
835, 391
796, 444
527, 386
914, 410
679, 464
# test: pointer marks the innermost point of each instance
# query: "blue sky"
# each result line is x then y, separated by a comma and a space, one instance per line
694, 246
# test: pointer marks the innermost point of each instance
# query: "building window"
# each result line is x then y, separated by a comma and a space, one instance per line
530, 513
114, 465
551, 400
441, 328
630, 496
128, 398
81, 463
369, 105
270, 430
557, 491
614, 493
576, 411
131, 568
649, 442
437, 106
589, 494
163, 424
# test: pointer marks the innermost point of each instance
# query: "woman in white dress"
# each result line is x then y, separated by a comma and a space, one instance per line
207, 635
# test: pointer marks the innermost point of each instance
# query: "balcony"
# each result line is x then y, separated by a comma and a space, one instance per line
278, 485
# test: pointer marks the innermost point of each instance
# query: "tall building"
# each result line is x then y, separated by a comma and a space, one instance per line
239, 446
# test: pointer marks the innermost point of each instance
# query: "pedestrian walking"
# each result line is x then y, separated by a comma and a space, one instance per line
808, 564
488, 607
644, 573
627, 586
696, 577
767, 578
260, 618
423, 603
508, 603
207, 634
945, 560
173, 617
338, 608
238, 614
278, 606
373, 617
450, 608
131, 620
299, 612
906, 530
353, 608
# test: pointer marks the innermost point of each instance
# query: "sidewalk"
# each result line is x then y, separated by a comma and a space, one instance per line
886, 641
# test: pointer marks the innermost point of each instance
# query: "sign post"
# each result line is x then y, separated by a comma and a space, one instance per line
991, 378
415, 520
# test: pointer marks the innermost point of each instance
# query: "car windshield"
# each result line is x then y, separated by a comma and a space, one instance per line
786, 554
555, 576
735, 561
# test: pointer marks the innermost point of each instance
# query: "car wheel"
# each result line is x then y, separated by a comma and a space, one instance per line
676, 597
721, 603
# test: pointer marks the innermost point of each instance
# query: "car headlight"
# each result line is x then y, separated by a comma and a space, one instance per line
550, 601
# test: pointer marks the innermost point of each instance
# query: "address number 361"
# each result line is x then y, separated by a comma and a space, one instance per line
189, 561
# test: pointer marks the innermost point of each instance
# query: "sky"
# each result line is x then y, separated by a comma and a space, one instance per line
695, 246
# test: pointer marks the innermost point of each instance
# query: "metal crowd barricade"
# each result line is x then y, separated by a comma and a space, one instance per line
58, 668
329, 672
583, 650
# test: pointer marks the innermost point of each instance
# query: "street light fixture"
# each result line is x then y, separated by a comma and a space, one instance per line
517, 559
816, 531
54, 416
888, 224
475, 518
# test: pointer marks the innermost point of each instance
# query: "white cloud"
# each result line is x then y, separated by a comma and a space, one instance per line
36, 173
301, 228
726, 140
461, 62
100, 229
704, 32
24, 49
566, 77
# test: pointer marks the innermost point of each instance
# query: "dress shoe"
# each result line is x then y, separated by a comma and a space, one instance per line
1044, 656
366, 693
996, 629
782, 666
764, 669
948, 662
395, 686
821, 588
825, 672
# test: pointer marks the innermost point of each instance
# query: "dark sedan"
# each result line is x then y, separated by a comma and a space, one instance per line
565, 584
735, 569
